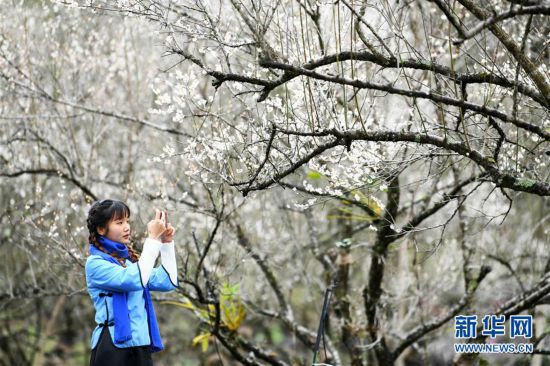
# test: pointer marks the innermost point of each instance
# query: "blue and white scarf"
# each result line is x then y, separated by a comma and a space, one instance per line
123, 331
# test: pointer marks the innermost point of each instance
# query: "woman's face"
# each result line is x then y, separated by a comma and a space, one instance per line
118, 230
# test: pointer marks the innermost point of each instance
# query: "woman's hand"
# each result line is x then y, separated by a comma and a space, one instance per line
168, 235
155, 227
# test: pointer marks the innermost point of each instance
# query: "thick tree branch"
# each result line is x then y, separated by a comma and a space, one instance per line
530, 68
534, 10
359, 84
344, 138
52, 172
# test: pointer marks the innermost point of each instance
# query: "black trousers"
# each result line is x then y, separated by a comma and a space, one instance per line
106, 354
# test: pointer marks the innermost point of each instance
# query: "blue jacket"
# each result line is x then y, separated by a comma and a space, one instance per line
103, 276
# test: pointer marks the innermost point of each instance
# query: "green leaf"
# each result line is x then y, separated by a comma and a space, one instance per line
276, 334
314, 175
202, 339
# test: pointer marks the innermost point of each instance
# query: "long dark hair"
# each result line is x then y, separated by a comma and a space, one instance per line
99, 215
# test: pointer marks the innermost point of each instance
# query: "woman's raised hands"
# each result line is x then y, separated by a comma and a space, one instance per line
168, 235
156, 227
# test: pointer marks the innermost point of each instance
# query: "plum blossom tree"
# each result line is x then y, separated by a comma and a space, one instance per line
394, 145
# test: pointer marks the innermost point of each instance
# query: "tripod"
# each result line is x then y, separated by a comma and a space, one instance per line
321, 330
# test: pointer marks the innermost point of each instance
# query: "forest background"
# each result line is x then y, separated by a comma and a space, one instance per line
397, 150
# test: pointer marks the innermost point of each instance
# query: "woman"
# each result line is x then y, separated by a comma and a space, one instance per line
119, 280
